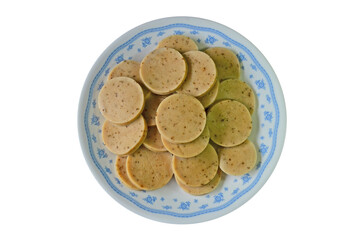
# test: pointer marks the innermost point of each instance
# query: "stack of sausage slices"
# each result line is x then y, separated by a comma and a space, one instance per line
180, 112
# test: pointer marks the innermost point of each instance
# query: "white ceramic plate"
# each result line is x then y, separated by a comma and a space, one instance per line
171, 204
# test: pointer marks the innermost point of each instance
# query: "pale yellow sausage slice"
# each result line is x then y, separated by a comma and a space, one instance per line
196, 171
207, 188
122, 173
153, 140
179, 42
229, 123
201, 74
191, 149
131, 69
149, 170
234, 89
163, 70
180, 118
210, 96
151, 105
227, 63
124, 139
126, 68
238, 160
121, 100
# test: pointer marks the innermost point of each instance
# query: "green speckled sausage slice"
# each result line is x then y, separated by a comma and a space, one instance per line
234, 89
227, 63
229, 123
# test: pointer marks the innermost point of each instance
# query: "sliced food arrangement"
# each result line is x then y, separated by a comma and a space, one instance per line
181, 112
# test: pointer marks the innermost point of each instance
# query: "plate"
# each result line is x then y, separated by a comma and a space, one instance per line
171, 204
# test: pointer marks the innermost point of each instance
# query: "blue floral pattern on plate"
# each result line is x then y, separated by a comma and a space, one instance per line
171, 204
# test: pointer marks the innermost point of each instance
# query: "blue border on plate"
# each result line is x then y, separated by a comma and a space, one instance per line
262, 168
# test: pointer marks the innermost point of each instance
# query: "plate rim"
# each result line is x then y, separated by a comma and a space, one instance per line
167, 218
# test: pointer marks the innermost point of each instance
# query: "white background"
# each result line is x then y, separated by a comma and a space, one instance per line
46, 51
